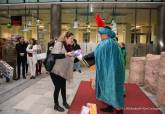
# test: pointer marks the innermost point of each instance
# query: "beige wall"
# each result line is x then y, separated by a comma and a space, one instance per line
124, 34
8, 32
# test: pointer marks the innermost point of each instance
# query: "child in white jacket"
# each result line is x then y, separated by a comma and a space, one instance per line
32, 57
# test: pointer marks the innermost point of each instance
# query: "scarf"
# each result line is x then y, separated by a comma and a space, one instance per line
67, 47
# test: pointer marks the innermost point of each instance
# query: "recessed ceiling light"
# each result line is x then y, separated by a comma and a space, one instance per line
91, 8
76, 24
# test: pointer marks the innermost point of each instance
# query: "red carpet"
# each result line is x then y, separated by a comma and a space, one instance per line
135, 98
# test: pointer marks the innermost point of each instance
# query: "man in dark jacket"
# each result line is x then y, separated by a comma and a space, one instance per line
26, 43
21, 57
76, 61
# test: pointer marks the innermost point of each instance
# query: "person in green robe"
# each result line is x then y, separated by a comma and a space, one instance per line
109, 72
123, 51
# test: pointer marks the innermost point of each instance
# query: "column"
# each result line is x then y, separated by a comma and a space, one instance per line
161, 29
55, 20
128, 33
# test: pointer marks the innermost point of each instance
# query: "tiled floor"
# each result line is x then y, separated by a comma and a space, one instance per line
38, 97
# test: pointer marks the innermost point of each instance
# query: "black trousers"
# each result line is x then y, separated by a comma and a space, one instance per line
38, 67
21, 61
60, 84
27, 67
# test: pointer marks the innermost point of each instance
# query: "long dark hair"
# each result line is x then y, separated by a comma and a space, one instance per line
75, 41
34, 42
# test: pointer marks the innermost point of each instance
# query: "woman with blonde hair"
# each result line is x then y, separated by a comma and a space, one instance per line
63, 68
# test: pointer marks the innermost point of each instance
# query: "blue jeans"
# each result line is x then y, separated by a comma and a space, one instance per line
77, 66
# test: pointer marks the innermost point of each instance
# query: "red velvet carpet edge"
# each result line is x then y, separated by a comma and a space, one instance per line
136, 102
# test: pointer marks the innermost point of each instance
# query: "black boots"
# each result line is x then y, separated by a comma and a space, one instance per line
79, 71
119, 112
58, 108
66, 105
110, 109
107, 109
32, 77
24, 77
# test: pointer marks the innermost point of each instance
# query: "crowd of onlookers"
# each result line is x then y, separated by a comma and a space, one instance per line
27, 58
22, 56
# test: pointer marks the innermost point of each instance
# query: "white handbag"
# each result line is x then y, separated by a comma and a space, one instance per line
41, 56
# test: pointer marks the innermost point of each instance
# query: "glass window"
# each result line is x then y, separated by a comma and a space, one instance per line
48, 0
126, 0
144, 0
125, 19
157, 0
15, 1
143, 25
68, 0
96, 0
31, 1
109, 0
154, 25
82, 0
3, 1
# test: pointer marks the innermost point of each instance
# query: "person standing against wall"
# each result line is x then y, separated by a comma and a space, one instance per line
124, 54
32, 57
39, 62
27, 43
21, 57
123, 51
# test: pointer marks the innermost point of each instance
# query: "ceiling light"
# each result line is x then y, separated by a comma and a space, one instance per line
41, 26
138, 26
29, 23
88, 26
38, 22
76, 24
25, 29
161, 44
9, 25
91, 8
114, 26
